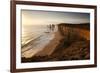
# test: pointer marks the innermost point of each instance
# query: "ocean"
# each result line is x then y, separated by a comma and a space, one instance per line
35, 38
31, 32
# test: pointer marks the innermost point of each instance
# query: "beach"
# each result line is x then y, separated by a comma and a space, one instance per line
58, 45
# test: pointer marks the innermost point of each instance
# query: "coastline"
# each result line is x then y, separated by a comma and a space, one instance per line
70, 45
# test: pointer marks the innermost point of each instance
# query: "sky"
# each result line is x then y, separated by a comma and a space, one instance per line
35, 17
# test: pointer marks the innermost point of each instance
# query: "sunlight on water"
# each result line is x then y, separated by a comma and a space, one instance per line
31, 32
35, 38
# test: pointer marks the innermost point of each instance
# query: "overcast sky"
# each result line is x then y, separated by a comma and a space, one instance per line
32, 17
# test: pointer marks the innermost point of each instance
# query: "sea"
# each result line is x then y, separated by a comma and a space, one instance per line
35, 38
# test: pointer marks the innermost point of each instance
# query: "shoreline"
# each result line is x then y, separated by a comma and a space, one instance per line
70, 46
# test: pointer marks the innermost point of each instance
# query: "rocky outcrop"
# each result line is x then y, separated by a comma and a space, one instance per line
69, 30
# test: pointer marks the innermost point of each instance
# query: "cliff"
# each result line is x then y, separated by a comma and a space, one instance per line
75, 29
75, 43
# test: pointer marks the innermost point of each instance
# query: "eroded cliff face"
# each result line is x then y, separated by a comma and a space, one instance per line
72, 31
75, 44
